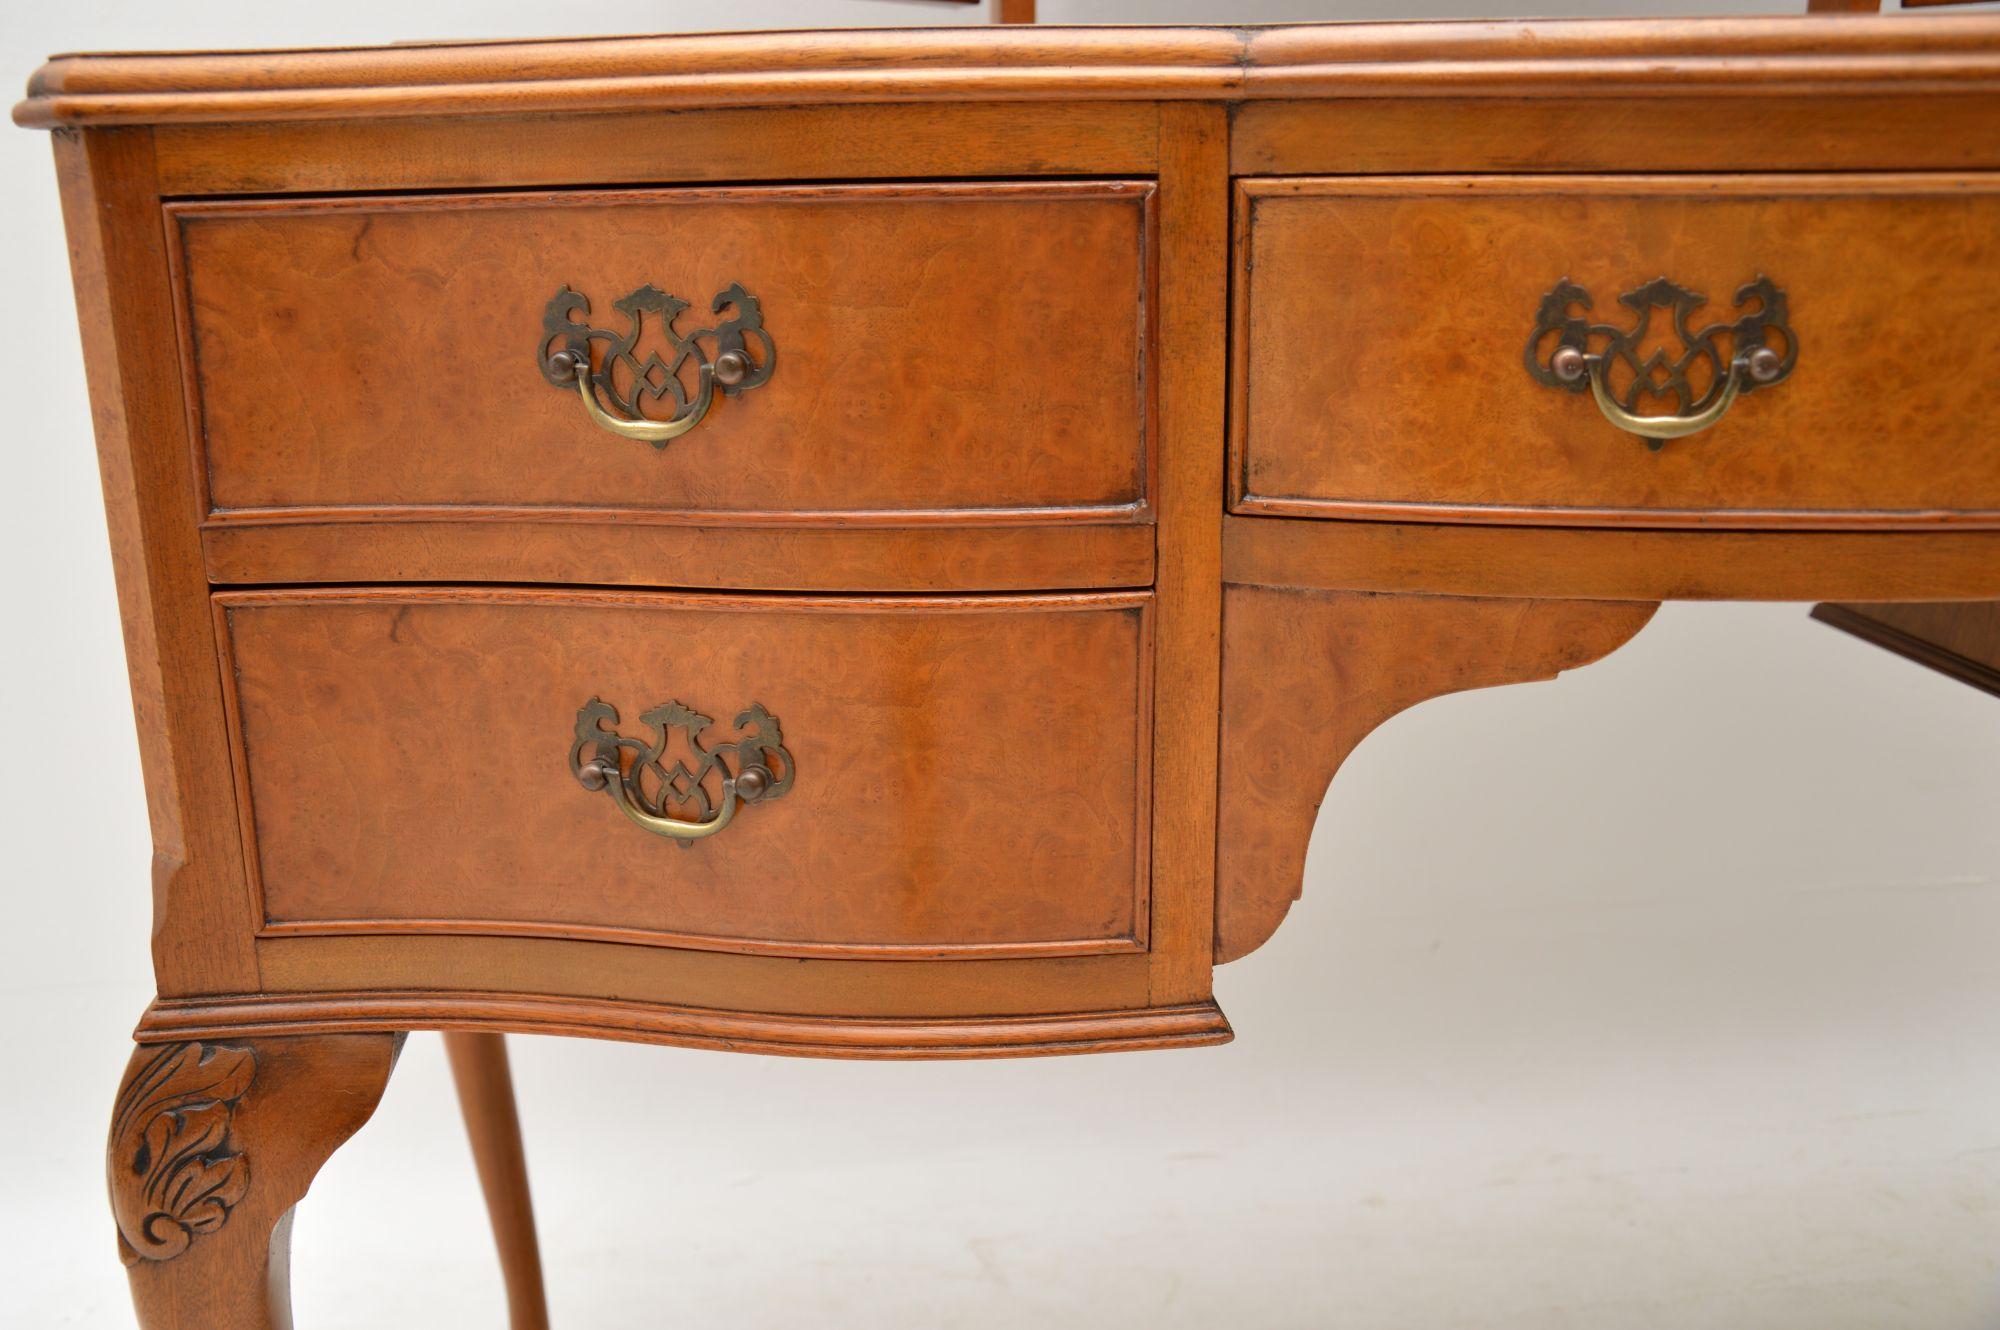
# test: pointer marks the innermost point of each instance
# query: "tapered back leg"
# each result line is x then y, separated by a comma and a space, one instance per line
486, 1096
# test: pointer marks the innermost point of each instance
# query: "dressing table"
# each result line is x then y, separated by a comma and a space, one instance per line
874, 545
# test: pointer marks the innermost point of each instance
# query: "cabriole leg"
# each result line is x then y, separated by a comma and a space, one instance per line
212, 1144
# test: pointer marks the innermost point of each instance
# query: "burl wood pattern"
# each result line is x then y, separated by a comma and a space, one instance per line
940, 347
212, 1145
972, 775
311, 362
1386, 319
1306, 675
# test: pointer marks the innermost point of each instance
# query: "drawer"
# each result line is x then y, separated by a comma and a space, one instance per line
942, 777
1396, 340
903, 356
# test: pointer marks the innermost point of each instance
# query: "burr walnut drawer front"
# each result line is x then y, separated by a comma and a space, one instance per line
1735, 350
872, 777
828, 358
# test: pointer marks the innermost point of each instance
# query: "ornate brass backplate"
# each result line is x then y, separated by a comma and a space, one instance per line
685, 803
1709, 368
637, 388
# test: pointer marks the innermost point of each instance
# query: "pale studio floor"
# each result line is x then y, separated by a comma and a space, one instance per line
1662, 996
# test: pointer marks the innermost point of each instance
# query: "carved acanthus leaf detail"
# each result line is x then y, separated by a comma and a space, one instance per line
175, 1172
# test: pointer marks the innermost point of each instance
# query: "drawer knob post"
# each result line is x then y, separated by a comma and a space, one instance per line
1582, 356
618, 383
651, 786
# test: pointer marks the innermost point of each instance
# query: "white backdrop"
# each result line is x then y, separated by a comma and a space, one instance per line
1663, 995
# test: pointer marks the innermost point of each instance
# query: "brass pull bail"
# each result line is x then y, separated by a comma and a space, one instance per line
754, 767
1758, 366
721, 357
1704, 368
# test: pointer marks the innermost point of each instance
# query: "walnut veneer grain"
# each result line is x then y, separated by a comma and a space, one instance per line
944, 355
972, 775
1061, 717
1383, 323
1310, 674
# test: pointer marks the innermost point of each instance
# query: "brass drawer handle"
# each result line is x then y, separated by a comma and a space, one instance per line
619, 376
754, 768
1569, 362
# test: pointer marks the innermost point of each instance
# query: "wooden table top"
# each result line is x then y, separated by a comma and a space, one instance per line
1538, 58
